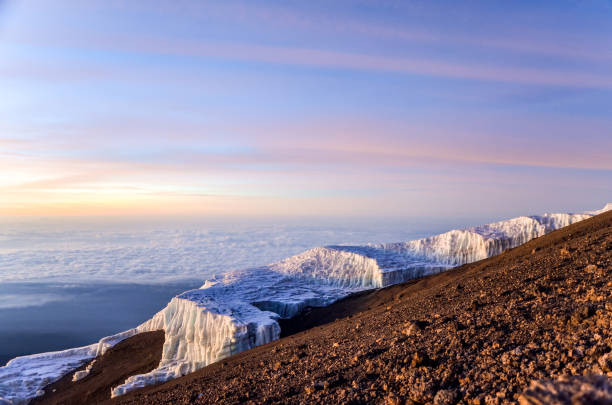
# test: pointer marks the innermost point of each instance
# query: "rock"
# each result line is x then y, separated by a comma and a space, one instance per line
411, 328
605, 362
445, 397
564, 252
419, 359
392, 399
577, 390
591, 268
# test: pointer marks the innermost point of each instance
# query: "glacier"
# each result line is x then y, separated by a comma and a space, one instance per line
240, 309
24, 377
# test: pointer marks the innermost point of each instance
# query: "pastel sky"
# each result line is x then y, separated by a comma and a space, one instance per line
304, 108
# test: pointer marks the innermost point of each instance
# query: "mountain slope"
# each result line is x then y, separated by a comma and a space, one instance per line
477, 333
242, 309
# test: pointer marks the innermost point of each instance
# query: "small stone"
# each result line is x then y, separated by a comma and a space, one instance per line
277, 365
445, 397
392, 399
419, 359
605, 362
411, 329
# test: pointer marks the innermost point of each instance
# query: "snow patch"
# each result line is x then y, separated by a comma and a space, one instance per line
79, 375
606, 208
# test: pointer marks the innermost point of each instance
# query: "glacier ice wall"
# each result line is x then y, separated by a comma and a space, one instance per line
200, 332
24, 378
458, 247
239, 310
337, 266
226, 316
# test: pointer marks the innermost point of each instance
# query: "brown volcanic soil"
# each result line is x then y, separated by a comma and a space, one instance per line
477, 334
136, 355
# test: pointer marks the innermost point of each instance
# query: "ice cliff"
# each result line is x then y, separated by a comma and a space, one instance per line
458, 247
240, 309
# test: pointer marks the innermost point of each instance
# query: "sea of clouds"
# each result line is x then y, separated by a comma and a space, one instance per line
56, 251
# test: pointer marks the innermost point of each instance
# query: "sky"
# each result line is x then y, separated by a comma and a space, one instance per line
362, 108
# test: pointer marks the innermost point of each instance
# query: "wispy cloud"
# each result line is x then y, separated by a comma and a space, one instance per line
322, 58
537, 40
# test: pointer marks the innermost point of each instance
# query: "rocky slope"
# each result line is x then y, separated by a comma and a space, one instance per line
509, 328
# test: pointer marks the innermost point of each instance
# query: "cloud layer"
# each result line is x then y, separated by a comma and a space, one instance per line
141, 252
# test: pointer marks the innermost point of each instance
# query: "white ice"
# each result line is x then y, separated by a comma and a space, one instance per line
240, 309
23, 378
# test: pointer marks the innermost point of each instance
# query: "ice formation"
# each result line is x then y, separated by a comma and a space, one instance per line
25, 377
240, 309
458, 247
79, 375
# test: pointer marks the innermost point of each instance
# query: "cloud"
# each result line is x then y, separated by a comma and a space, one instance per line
541, 40
320, 58
132, 252
12, 301
321, 166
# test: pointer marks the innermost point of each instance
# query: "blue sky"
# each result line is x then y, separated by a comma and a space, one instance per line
319, 108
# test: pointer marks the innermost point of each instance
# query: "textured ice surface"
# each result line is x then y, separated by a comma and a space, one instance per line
228, 315
464, 246
240, 309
